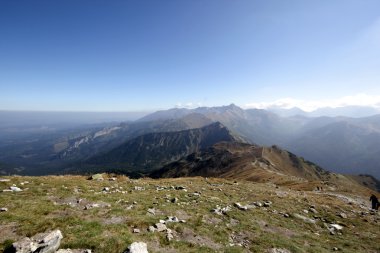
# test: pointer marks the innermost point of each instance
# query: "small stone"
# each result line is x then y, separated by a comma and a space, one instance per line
3, 209
335, 249
174, 200
313, 210
97, 177
241, 207
343, 215
276, 250
15, 189
305, 219
151, 229
267, 203
169, 234
286, 215
336, 226
106, 189
74, 251
136, 230
160, 227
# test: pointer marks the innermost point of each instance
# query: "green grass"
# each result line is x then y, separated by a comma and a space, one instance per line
109, 229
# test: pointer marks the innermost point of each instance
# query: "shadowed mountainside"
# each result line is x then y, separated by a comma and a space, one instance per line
151, 151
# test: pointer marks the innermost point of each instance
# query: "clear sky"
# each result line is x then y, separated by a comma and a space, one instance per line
133, 55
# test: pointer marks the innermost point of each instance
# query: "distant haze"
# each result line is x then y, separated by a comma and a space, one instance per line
11, 119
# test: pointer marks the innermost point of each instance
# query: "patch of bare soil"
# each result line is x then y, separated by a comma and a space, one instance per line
211, 220
276, 230
8, 231
188, 235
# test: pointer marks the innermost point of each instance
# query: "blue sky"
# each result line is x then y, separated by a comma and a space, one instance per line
134, 55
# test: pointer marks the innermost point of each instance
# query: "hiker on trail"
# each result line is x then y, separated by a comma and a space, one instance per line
375, 202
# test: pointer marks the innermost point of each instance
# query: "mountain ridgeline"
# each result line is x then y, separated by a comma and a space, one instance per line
338, 144
152, 151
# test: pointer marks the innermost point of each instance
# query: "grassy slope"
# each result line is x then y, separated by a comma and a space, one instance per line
33, 211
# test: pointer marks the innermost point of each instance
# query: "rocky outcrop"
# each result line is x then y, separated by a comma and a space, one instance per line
41, 243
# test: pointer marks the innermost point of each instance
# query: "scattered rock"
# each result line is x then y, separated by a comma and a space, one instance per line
106, 189
174, 200
343, 215
15, 189
3, 209
4, 180
336, 226
267, 203
335, 249
313, 210
74, 251
138, 247
136, 230
41, 243
139, 188
160, 227
305, 219
96, 205
221, 210
174, 219
169, 234
97, 177
275, 250
195, 194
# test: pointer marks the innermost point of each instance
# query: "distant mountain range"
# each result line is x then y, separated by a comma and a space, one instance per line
344, 111
339, 144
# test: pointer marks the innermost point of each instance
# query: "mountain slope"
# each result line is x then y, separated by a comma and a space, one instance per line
241, 161
151, 151
340, 144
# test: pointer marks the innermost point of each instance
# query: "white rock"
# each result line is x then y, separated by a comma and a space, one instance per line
305, 219
138, 247
336, 226
160, 227
15, 189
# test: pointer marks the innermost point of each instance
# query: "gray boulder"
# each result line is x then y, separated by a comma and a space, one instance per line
41, 243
